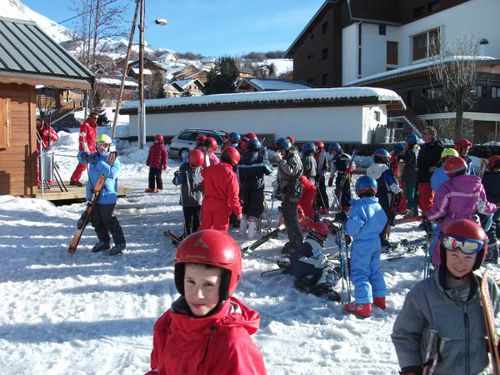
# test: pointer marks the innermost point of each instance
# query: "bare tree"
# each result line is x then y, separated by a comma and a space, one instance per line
454, 72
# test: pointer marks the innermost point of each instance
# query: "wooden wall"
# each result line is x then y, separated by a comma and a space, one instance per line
18, 162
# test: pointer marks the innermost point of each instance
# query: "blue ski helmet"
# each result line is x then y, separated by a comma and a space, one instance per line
365, 184
335, 146
254, 144
234, 137
381, 155
283, 143
412, 139
308, 148
400, 146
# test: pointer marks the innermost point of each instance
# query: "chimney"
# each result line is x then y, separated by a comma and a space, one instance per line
483, 47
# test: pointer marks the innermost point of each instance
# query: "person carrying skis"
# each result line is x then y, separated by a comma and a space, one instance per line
103, 219
157, 162
491, 183
363, 226
207, 330
251, 170
290, 190
86, 141
322, 201
441, 323
221, 189
463, 146
341, 164
209, 146
188, 176
462, 197
308, 161
46, 135
388, 192
409, 174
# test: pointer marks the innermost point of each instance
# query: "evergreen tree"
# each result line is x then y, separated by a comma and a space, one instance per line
221, 78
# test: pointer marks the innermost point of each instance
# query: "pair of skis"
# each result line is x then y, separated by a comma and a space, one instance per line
87, 214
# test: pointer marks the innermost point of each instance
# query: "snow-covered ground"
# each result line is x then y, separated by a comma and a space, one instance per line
94, 314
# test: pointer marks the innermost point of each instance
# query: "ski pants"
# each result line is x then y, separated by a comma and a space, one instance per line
191, 219
155, 176
411, 195
104, 222
291, 218
321, 195
215, 214
77, 174
385, 200
306, 202
365, 270
252, 201
402, 206
425, 196
344, 192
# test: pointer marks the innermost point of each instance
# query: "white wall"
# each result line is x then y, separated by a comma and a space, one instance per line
340, 124
370, 123
350, 53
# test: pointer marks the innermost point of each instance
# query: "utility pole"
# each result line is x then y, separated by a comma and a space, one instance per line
141, 134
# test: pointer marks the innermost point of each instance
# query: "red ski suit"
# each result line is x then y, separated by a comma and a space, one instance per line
221, 188
218, 344
157, 157
86, 142
307, 198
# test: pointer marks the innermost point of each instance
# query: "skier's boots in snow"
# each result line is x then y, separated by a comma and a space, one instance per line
117, 249
379, 302
361, 310
149, 190
100, 246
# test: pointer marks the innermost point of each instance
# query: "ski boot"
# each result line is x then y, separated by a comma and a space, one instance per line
326, 290
149, 190
361, 310
158, 191
117, 249
283, 262
379, 302
100, 246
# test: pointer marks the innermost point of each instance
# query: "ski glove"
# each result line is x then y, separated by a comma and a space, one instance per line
397, 199
197, 178
341, 216
481, 206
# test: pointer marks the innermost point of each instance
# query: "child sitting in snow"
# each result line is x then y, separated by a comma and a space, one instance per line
157, 162
207, 330
364, 224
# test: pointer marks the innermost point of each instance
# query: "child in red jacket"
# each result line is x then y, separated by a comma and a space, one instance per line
206, 330
157, 162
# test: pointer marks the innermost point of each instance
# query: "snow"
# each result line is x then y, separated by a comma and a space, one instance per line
94, 314
276, 84
342, 93
116, 82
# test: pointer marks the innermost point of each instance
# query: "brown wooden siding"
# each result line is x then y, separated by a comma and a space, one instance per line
17, 163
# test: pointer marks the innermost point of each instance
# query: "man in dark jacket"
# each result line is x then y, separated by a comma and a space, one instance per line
427, 161
251, 170
409, 175
289, 172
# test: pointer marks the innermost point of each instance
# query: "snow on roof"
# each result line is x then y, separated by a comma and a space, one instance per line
182, 83
337, 94
276, 84
419, 67
145, 71
116, 81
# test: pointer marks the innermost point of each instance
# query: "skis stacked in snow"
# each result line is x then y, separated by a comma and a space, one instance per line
489, 320
406, 248
408, 219
273, 234
85, 218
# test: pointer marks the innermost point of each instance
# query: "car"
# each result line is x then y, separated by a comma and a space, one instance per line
185, 141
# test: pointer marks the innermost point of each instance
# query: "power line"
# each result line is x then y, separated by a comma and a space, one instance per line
82, 13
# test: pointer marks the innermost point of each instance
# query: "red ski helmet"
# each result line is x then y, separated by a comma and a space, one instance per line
200, 139
213, 248
462, 143
210, 142
231, 156
454, 166
494, 162
320, 228
320, 145
291, 138
159, 138
462, 233
251, 135
196, 158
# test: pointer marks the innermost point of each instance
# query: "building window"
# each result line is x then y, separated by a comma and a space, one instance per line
392, 53
495, 92
310, 57
418, 12
432, 93
310, 80
481, 91
426, 44
377, 115
324, 53
324, 79
433, 6
324, 27
381, 29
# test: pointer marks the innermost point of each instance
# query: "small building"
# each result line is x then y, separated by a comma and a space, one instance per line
267, 84
108, 88
28, 58
190, 87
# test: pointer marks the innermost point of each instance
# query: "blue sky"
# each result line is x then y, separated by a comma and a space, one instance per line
211, 27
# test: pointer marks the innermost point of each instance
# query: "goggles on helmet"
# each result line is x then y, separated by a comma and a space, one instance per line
466, 245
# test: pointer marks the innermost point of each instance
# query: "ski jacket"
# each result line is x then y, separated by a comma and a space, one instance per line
109, 191
321, 163
428, 157
491, 183
458, 198
339, 164
217, 344
427, 306
438, 178
157, 157
366, 219
251, 170
220, 183
387, 186
409, 175
47, 134
289, 172
191, 192
309, 165
306, 200
210, 159
88, 134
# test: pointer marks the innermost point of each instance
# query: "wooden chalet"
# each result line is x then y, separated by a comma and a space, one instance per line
28, 57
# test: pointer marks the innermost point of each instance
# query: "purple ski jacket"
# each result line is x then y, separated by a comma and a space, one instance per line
458, 199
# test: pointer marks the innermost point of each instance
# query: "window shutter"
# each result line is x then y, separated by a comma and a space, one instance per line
5, 124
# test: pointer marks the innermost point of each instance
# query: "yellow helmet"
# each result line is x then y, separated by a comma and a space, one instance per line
103, 138
447, 152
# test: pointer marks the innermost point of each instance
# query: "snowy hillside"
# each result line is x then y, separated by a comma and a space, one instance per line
94, 314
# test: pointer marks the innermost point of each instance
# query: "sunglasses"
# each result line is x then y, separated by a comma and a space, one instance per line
466, 245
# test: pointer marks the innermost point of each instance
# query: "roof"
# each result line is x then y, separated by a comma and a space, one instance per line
321, 97
182, 83
272, 84
28, 55
116, 81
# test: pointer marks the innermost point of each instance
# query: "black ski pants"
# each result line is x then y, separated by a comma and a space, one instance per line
104, 222
252, 201
155, 176
321, 194
192, 218
289, 211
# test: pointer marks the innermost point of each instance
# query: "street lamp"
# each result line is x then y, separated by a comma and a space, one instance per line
141, 112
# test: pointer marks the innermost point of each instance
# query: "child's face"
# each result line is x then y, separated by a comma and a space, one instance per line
459, 263
201, 288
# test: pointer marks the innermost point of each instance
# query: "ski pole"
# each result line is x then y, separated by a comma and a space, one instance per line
442, 343
428, 350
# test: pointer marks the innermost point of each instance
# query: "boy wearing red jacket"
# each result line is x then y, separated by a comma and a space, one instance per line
157, 162
207, 331
86, 142
221, 188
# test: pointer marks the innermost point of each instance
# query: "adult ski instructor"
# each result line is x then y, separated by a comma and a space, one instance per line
86, 140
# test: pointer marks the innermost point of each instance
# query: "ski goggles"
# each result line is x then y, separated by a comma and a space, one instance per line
466, 245
102, 144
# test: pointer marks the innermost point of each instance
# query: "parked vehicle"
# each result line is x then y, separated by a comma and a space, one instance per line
184, 141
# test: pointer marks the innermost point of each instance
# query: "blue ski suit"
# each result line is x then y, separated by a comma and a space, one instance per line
365, 222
